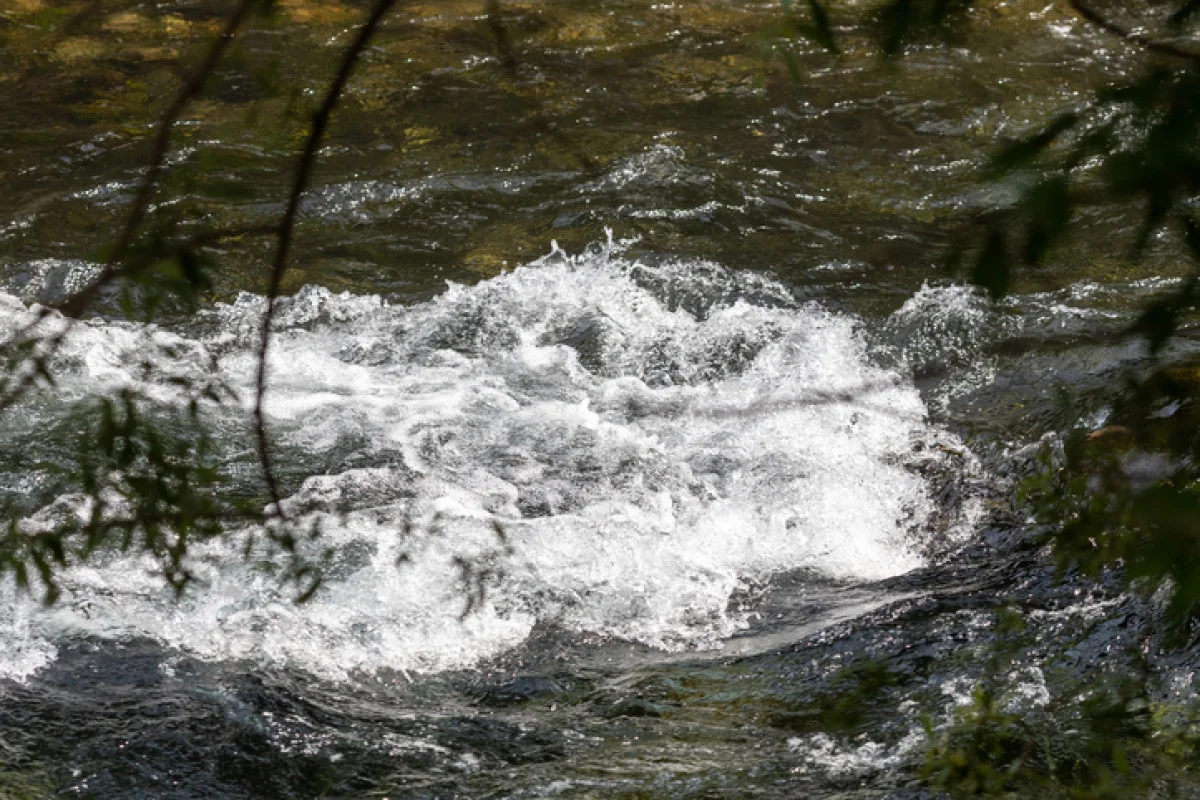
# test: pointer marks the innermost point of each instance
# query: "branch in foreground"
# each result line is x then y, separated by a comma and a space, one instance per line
162, 142
81, 300
1141, 40
75, 305
300, 185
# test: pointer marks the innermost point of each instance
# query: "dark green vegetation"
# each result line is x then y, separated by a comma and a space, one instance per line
1135, 142
1103, 186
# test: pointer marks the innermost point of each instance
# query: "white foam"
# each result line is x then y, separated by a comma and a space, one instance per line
943, 332
650, 439
823, 755
22, 651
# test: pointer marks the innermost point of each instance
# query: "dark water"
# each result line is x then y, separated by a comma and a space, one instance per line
772, 237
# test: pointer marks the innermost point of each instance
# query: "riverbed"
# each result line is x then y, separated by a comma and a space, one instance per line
655, 335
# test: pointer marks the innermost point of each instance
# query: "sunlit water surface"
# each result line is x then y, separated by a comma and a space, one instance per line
750, 436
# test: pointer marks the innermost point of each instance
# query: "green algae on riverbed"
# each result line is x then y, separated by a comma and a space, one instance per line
437, 169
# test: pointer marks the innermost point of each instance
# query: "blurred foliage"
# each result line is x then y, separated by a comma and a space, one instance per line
1101, 734
1110, 744
842, 708
16, 784
1135, 142
1125, 497
143, 484
1122, 500
1128, 495
147, 480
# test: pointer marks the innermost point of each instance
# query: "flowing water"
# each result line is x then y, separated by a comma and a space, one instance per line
652, 336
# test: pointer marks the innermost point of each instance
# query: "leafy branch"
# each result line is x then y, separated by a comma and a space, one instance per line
165, 500
113, 268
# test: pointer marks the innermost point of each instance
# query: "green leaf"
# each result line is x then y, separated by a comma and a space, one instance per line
191, 267
1123, 171
1159, 321
1191, 235
793, 67
227, 189
1161, 196
896, 19
1185, 12
1048, 205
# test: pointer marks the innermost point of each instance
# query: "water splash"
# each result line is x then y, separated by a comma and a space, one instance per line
650, 440
941, 336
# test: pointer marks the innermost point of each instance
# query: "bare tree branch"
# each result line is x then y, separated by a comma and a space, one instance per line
81, 300
78, 20
162, 141
287, 225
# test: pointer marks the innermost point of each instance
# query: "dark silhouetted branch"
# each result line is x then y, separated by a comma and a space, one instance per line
77, 303
162, 140
113, 267
81, 300
1141, 40
287, 225
81, 18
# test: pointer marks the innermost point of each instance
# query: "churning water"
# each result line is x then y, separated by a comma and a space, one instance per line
677, 495
621, 450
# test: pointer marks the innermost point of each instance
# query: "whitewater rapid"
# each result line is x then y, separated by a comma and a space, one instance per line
651, 441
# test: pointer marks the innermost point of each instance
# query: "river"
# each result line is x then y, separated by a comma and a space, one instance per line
674, 319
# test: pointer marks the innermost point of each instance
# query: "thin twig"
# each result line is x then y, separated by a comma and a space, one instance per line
162, 141
82, 17
508, 58
1141, 40
304, 168
75, 305
79, 302
137, 212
